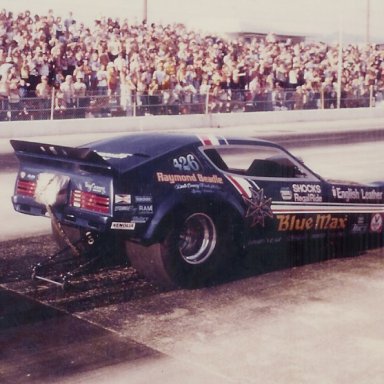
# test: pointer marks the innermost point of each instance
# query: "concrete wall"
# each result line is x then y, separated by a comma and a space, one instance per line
156, 123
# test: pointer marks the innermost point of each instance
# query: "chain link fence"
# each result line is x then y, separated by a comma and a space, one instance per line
174, 102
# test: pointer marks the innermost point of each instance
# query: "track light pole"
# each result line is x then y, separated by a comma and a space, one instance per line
368, 22
145, 11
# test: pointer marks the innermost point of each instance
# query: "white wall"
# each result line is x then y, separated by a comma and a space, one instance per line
156, 123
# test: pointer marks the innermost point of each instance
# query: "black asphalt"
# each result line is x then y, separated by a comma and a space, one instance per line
39, 344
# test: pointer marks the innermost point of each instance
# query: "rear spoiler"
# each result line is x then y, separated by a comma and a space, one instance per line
49, 152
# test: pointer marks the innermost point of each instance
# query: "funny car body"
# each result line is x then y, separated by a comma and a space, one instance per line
185, 205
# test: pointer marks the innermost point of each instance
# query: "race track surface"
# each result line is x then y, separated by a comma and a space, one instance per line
311, 318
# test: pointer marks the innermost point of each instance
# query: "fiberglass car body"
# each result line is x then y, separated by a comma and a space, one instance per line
184, 205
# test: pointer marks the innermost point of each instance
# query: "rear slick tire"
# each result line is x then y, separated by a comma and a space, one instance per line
196, 249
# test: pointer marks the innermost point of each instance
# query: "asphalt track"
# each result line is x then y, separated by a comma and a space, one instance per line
317, 323
42, 344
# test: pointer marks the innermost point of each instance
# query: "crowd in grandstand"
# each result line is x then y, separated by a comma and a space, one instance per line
114, 58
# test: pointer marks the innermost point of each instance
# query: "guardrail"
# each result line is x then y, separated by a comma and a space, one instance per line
176, 102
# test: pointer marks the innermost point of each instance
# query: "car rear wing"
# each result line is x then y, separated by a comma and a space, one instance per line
46, 153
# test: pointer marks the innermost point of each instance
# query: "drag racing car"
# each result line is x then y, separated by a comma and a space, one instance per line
183, 206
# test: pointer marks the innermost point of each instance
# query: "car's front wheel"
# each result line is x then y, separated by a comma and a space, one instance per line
196, 247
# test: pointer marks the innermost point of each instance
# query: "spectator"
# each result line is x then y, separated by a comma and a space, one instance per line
69, 21
44, 92
293, 77
81, 100
4, 96
278, 98
154, 97
203, 94
298, 98
127, 89
5, 67
112, 79
14, 98
102, 81
68, 97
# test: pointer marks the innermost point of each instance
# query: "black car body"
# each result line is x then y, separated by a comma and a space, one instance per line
185, 204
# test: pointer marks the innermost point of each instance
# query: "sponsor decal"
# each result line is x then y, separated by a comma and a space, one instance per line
198, 188
360, 226
310, 198
376, 223
371, 195
286, 194
316, 222
145, 209
187, 186
123, 226
349, 194
125, 208
122, 199
258, 207
92, 187
143, 199
192, 178
124, 203
272, 240
208, 188
306, 188
307, 193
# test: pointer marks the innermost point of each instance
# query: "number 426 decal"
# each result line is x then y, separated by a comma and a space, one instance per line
186, 163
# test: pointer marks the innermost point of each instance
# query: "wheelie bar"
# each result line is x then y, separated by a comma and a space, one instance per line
75, 264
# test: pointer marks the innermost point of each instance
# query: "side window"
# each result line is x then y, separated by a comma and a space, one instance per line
257, 161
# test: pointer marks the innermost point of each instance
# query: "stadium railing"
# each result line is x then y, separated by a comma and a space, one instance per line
172, 102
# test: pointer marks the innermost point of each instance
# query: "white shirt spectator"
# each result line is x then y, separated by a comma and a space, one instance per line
68, 91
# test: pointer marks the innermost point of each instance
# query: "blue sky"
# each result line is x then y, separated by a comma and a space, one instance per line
290, 16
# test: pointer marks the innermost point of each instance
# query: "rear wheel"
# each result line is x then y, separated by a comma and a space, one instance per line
196, 239
194, 251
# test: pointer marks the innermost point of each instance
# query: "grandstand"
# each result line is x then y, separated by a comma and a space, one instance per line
56, 68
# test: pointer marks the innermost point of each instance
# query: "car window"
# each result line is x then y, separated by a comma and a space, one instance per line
257, 161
